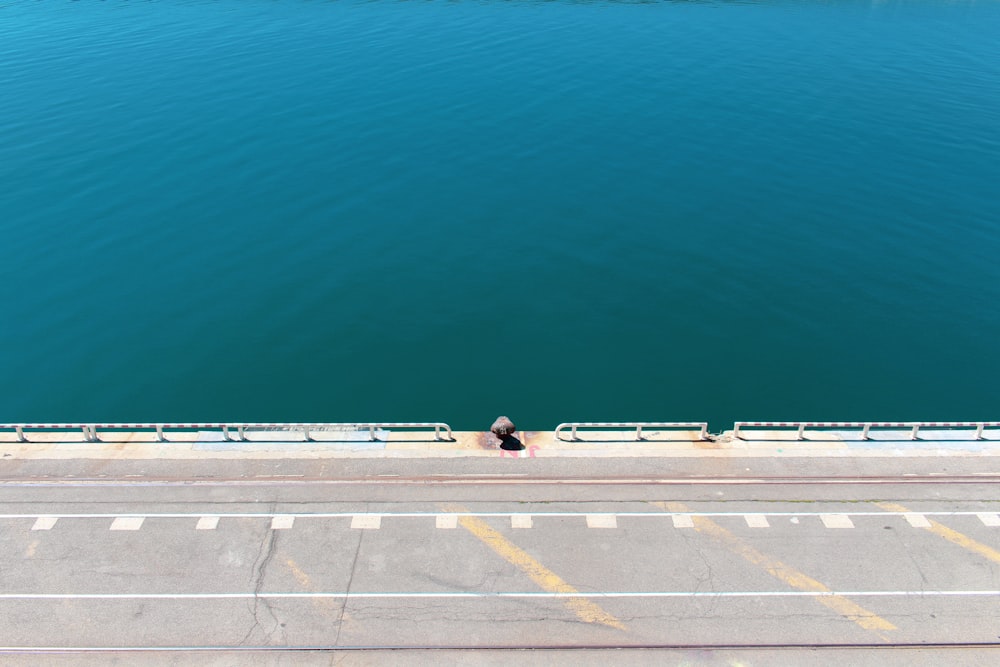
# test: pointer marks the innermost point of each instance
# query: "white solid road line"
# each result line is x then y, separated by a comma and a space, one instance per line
987, 517
511, 594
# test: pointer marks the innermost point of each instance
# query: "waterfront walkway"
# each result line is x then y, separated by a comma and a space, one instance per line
290, 444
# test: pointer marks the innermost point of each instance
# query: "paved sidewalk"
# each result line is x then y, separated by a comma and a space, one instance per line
467, 444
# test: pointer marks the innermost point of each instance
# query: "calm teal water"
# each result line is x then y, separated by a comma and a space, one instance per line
451, 210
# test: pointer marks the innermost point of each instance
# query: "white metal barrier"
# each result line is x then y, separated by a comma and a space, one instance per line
90, 431
638, 426
914, 427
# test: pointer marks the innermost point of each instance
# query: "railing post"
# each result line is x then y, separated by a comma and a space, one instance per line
371, 434
93, 434
736, 431
20, 434
802, 428
239, 431
437, 431
305, 432
225, 433
704, 432
979, 431
159, 432
572, 433
638, 432
913, 433
864, 431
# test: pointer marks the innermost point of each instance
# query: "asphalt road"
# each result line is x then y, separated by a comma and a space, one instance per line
565, 560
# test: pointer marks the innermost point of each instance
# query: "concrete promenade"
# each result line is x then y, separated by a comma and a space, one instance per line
756, 443
767, 551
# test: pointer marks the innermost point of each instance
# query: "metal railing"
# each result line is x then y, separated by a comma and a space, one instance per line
238, 431
866, 427
638, 426
90, 431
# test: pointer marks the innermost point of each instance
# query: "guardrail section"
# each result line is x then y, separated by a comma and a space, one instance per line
701, 427
90, 431
866, 427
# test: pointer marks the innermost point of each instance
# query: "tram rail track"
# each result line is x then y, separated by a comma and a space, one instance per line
429, 648
496, 480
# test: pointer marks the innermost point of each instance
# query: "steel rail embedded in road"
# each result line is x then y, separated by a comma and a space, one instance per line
930, 478
42, 650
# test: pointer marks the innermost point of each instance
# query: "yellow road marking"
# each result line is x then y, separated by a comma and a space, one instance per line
299, 575
584, 609
950, 535
789, 575
326, 605
30, 551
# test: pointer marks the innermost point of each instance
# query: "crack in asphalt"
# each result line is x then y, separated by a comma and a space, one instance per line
350, 583
265, 553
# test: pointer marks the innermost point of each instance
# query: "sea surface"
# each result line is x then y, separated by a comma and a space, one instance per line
451, 210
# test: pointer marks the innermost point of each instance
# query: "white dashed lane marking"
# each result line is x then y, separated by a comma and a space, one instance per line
917, 520
207, 523
127, 523
366, 521
602, 521
491, 596
44, 523
445, 520
282, 522
836, 521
